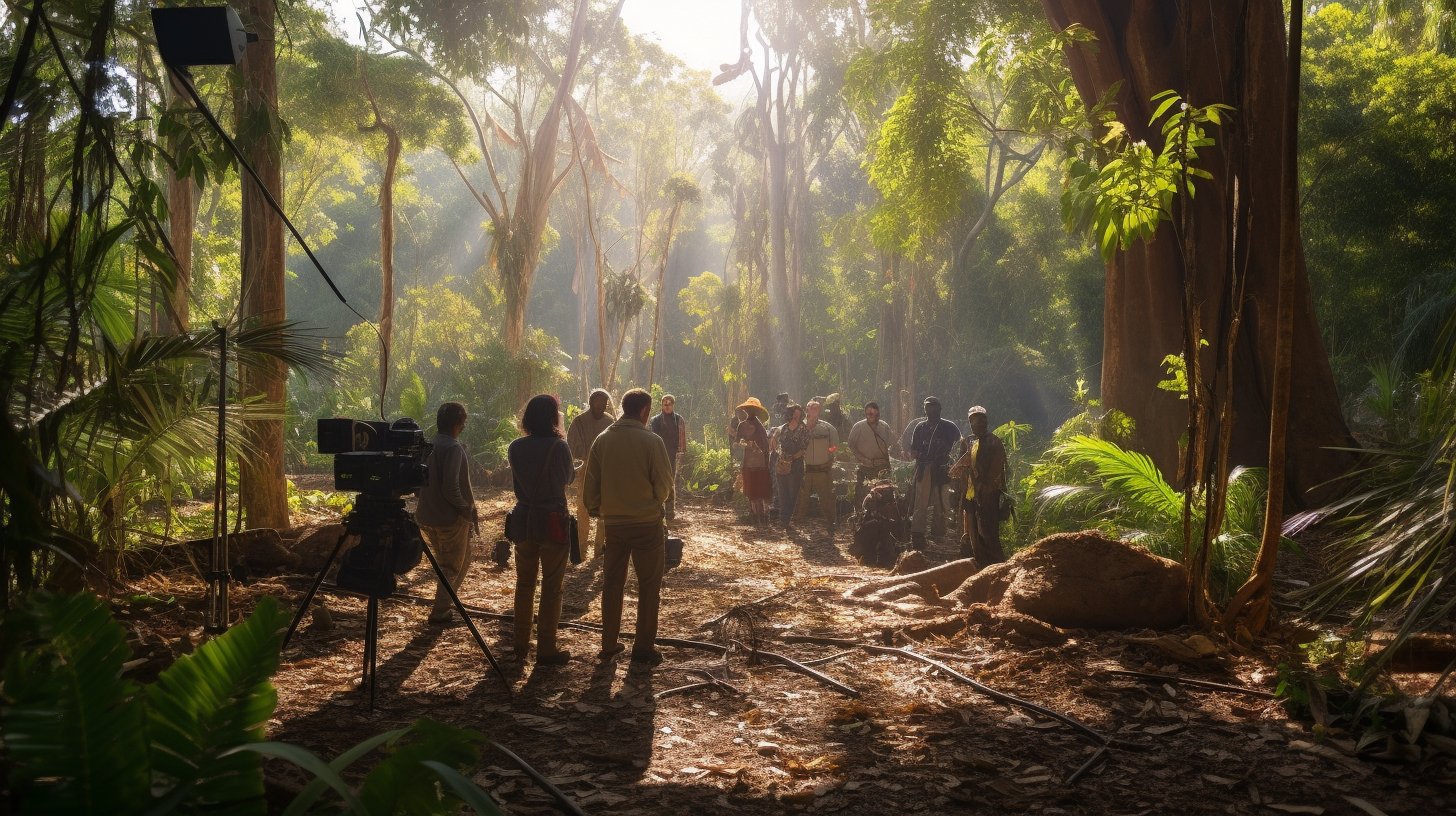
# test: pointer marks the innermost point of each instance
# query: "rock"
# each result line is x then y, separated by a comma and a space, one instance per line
913, 561
315, 544
323, 619
263, 549
1084, 581
767, 748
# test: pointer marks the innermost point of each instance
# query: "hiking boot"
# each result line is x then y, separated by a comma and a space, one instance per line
610, 653
650, 657
557, 658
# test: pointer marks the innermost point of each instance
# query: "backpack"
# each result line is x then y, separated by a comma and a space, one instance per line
882, 528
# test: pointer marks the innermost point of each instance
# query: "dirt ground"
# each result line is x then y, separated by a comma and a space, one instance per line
780, 742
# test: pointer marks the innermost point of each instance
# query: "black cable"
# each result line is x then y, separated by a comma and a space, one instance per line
184, 77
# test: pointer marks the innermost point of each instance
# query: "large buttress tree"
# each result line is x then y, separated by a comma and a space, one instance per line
1236, 58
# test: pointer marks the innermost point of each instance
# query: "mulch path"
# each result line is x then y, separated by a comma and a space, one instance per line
913, 740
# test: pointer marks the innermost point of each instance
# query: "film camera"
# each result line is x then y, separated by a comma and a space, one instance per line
380, 459
383, 462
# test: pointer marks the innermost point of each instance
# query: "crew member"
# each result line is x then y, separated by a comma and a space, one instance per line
583, 431
984, 467
930, 446
628, 478
540, 471
446, 511
673, 429
819, 466
870, 440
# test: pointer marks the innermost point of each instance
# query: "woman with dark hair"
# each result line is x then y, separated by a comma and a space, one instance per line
793, 441
754, 439
541, 468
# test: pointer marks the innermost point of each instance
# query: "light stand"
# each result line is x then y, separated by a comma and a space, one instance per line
217, 574
214, 35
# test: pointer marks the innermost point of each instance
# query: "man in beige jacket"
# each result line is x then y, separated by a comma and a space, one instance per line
628, 477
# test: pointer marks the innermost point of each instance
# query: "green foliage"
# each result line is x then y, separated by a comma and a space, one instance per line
1125, 192
1379, 194
1394, 552
1088, 482
82, 739
704, 471
75, 738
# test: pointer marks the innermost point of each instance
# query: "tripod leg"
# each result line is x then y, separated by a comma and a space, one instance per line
459, 607
371, 648
308, 598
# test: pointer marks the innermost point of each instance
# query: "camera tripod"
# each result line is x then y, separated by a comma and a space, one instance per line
378, 521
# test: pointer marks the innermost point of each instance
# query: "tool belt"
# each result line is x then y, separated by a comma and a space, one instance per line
824, 468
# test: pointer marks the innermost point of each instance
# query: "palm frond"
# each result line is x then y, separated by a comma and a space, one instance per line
73, 742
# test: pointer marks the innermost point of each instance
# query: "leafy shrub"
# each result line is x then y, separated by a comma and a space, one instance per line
706, 471
81, 738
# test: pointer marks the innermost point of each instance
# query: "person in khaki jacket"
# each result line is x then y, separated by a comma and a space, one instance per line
584, 430
628, 478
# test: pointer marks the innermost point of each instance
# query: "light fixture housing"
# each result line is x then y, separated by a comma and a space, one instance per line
200, 35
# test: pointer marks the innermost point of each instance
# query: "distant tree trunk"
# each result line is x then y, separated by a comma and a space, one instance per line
262, 481
386, 234
181, 219
518, 237
661, 290
1236, 57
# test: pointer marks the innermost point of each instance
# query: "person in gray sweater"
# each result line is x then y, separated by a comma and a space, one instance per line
446, 511
541, 468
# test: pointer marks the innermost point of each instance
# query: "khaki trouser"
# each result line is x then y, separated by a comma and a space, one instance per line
451, 546
643, 545
820, 483
551, 558
583, 521
932, 505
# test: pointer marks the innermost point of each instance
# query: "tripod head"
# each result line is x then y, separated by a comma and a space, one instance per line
390, 544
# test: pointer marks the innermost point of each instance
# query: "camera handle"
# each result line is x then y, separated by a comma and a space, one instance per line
371, 619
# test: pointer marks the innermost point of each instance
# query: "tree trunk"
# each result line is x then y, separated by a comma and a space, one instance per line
1254, 594
518, 241
262, 481
386, 253
175, 317
1236, 52
661, 292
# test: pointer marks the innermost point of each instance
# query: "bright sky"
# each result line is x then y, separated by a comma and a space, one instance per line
702, 33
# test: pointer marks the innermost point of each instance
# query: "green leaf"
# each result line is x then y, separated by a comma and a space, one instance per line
468, 791
1171, 100
307, 760
319, 785
402, 784
211, 701
74, 731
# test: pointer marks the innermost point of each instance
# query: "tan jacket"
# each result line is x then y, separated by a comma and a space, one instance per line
628, 475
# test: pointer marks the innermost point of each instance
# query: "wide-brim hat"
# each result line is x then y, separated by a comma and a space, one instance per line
753, 406
832, 399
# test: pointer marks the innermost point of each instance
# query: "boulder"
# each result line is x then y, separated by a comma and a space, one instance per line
315, 544
1084, 581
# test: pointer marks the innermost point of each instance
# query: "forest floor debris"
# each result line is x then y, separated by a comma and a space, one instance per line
731, 737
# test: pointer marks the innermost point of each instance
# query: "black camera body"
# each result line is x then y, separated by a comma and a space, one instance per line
379, 459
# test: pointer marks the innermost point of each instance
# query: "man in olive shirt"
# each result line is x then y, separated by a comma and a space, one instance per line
446, 510
628, 478
584, 430
819, 466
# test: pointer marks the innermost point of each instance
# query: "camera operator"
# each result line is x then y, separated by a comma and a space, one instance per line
446, 512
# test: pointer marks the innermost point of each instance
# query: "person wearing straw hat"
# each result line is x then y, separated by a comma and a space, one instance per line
751, 435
